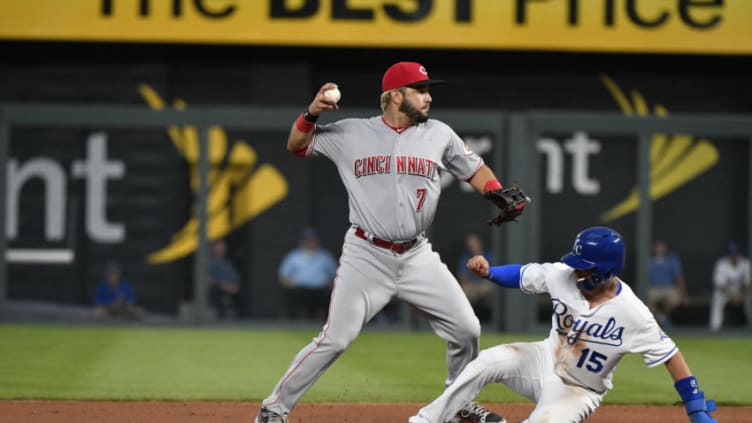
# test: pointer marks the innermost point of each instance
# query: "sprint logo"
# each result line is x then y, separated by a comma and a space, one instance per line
675, 159
238, 190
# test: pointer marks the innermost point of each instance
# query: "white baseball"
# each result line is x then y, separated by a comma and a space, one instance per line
333, 94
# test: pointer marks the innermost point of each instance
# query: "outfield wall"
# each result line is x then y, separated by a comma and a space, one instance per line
146, 194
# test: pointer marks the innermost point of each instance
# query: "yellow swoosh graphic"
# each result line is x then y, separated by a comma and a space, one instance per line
618, 95
675, 160
265, 187
640, 105
668, 156
702, 157
237, 193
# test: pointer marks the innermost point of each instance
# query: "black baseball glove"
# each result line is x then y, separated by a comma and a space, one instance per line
511, 203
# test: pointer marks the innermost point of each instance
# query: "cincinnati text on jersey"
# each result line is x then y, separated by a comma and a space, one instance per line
408, 165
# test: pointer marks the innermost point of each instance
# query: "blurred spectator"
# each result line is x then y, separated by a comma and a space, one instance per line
114, 295
224, 281
667, 289
731, 283
478, 290
307, 273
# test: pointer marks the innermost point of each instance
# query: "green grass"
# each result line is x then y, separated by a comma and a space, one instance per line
103, 363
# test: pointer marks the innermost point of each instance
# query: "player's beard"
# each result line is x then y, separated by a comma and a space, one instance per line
413, 113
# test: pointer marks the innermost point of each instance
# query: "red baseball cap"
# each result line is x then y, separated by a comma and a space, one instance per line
407, 74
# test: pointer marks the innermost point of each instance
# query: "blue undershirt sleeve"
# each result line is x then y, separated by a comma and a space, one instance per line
507, 275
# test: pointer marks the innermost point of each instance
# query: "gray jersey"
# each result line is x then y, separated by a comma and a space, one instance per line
392, 178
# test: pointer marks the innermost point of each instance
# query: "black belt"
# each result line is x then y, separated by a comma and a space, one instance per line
397, 247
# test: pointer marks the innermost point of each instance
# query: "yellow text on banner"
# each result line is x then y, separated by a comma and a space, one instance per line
660, 26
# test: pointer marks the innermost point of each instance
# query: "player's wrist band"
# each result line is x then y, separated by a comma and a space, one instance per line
492, 185
688, 388
303, 124
309, 117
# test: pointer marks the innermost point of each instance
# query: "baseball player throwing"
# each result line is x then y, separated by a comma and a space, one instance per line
596, 320
389, 165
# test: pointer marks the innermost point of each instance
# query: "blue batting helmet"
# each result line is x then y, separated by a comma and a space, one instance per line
600, 249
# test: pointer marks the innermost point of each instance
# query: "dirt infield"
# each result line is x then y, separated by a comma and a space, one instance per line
243, 412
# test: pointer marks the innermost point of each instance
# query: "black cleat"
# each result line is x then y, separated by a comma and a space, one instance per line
269, 416
476, 413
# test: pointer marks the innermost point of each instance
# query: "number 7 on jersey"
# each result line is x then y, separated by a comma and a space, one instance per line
420, 193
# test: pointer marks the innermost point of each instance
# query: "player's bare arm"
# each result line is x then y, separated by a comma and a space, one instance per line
677, 367
478, 265
301, 133
483, 176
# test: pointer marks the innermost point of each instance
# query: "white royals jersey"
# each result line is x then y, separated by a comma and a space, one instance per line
392, 179
589, 343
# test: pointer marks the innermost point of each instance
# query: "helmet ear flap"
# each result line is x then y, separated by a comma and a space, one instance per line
605, 275
595, 280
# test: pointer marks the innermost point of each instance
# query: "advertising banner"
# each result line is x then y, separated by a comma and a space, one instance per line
639, 26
